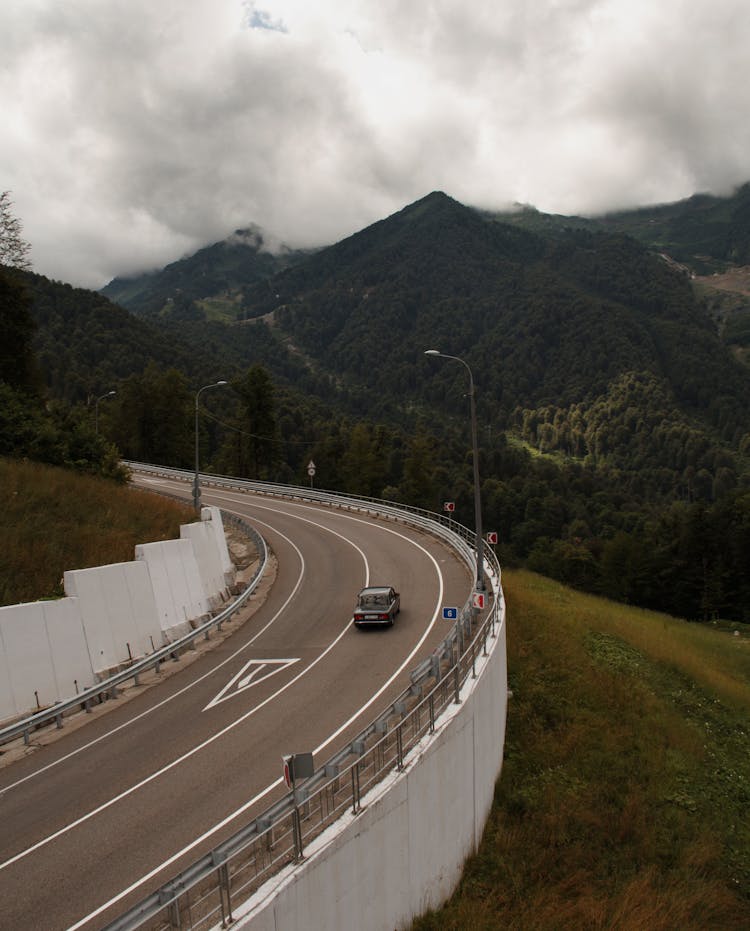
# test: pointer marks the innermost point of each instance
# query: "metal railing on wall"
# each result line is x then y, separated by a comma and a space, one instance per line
207, 891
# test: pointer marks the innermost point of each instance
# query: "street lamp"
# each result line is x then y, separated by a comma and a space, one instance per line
196, 480
477, 494
109, 394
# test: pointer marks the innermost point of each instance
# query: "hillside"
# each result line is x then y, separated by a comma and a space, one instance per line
705, 233
623, 795
707, 236
586, 344
613, 423
207, 285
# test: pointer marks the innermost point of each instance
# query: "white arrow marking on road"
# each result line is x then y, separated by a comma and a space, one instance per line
258, 672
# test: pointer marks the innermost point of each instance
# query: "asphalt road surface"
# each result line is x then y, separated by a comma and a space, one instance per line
115, 805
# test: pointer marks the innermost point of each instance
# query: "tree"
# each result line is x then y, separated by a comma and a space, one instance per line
253, 450
14, 249
17, 363
361, 466
152, 417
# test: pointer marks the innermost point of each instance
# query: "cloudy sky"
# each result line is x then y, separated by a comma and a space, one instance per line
132, 132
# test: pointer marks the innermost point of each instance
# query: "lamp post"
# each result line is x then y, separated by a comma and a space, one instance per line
480, 586
109, 394
196, 480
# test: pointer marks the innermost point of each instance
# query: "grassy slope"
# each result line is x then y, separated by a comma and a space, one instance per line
54, 520
624, 797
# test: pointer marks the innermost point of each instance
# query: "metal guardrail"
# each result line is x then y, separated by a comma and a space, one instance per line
108, 687
205, 892
458, 536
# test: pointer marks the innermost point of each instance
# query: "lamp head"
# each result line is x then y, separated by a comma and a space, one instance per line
432, 352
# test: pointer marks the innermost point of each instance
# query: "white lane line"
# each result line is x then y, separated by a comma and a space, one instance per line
264, 792
209, 740
194, 682
213, 669
253, 672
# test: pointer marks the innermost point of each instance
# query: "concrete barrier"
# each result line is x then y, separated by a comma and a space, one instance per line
43, 655
178, 589
49, 650
118, 610
202, 536
212, 515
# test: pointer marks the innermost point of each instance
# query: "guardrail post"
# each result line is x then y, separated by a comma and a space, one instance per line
174, 914
399, 747
355, 788
456, 685
224, 890
297, 831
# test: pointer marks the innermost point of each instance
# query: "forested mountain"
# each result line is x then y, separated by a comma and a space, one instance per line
705, 233
707, 236
614, 424
585, 344
206, 285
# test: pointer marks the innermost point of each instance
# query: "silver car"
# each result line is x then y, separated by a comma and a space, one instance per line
377, 606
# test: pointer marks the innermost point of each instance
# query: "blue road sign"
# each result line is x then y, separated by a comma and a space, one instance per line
450, 614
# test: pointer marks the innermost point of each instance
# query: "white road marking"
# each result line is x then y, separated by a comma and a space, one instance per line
244, 680
243, 808
243, 717
221, 733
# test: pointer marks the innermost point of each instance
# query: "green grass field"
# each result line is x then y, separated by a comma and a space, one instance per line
624, 799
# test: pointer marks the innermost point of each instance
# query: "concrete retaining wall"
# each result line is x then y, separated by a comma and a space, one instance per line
203, 538
405, 851
44, 657
177, 584
118, 611
50, 650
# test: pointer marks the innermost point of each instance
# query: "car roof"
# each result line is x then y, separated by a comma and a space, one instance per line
376, 588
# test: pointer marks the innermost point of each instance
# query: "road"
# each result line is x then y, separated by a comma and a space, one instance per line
111, 810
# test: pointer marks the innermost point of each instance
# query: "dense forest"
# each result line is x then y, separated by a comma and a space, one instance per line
614, 428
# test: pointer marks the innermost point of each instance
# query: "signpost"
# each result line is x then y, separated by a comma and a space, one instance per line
297, 766
478, 600
311, 471
450, 614
492, 537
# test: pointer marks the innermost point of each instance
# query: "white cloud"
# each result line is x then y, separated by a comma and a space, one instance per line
135, 131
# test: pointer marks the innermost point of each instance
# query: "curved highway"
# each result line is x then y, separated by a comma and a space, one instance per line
98, 818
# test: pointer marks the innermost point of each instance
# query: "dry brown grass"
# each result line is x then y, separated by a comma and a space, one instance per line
55, 519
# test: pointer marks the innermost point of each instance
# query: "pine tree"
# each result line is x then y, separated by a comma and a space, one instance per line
14, 249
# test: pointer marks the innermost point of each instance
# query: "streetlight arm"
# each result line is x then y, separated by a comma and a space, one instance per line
196, 480
475, 451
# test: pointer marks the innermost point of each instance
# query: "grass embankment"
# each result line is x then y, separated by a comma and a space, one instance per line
54, 519
624, 800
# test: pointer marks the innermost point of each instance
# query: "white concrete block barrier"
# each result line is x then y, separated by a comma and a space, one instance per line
212, 515
44, 657
203, 537
404, 851
181, 600
112, 615
118, 609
